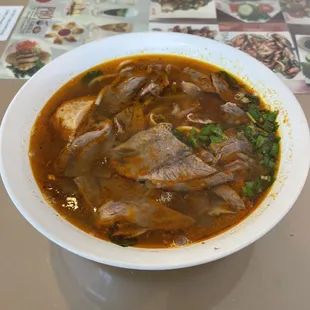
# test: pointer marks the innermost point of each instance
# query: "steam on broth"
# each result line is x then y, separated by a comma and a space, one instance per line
154, 151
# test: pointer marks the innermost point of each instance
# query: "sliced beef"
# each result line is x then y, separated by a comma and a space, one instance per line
116, 97
206, 156
182, 170
157, 82
98, 190
193, 185
227, 150
234, 115
246, 158
220, 207
91, 189
78, 157
222, 88
217, 179
202, 80
190, 89
236, 165
230, 196
160, 160
71, 115
207, 82
129, 122
197, 204
148, 150
145, 214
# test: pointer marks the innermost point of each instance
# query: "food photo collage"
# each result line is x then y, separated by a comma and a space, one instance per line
275, 32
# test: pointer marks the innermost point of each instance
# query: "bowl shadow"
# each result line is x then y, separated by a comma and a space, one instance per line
89, 285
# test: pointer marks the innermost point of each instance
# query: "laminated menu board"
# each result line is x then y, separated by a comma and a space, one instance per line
200, 9
48, 28
275, 32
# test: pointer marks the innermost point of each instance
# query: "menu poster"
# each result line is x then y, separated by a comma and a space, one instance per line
275, 50
258, 28
275, 32
302, 41
210, 31
296, 12
199, 9
48, 28
257, 11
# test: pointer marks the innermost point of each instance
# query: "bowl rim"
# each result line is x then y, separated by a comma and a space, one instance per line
298, 184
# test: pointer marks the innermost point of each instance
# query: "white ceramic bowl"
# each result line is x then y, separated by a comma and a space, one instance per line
22, 112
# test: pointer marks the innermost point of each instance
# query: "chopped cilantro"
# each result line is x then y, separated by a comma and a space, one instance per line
252, 99
251, 133
199, 138
260, 141
192, 138
213, 130
252, 188
231, 81
215, 139
274, 150
90, 76
255, 112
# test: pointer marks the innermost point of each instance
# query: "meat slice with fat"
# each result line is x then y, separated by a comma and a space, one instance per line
146, 213
157, 157
71, 115
77, 158
230, 196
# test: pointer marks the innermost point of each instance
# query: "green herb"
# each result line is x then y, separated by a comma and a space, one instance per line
264, 138
251, 117
270, 116
178, 134
251, 133
272, 165
265, 148
274, 150
269, 126
213, 129
204, 138
252, 99
90, 76
215, 139
255, 112
266, 120
260, 141
192, 138
265, 161
231, 81
247, 98
212, 133
269, 163
252, 188
124, 242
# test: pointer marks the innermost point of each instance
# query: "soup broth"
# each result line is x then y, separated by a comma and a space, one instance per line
154, 151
